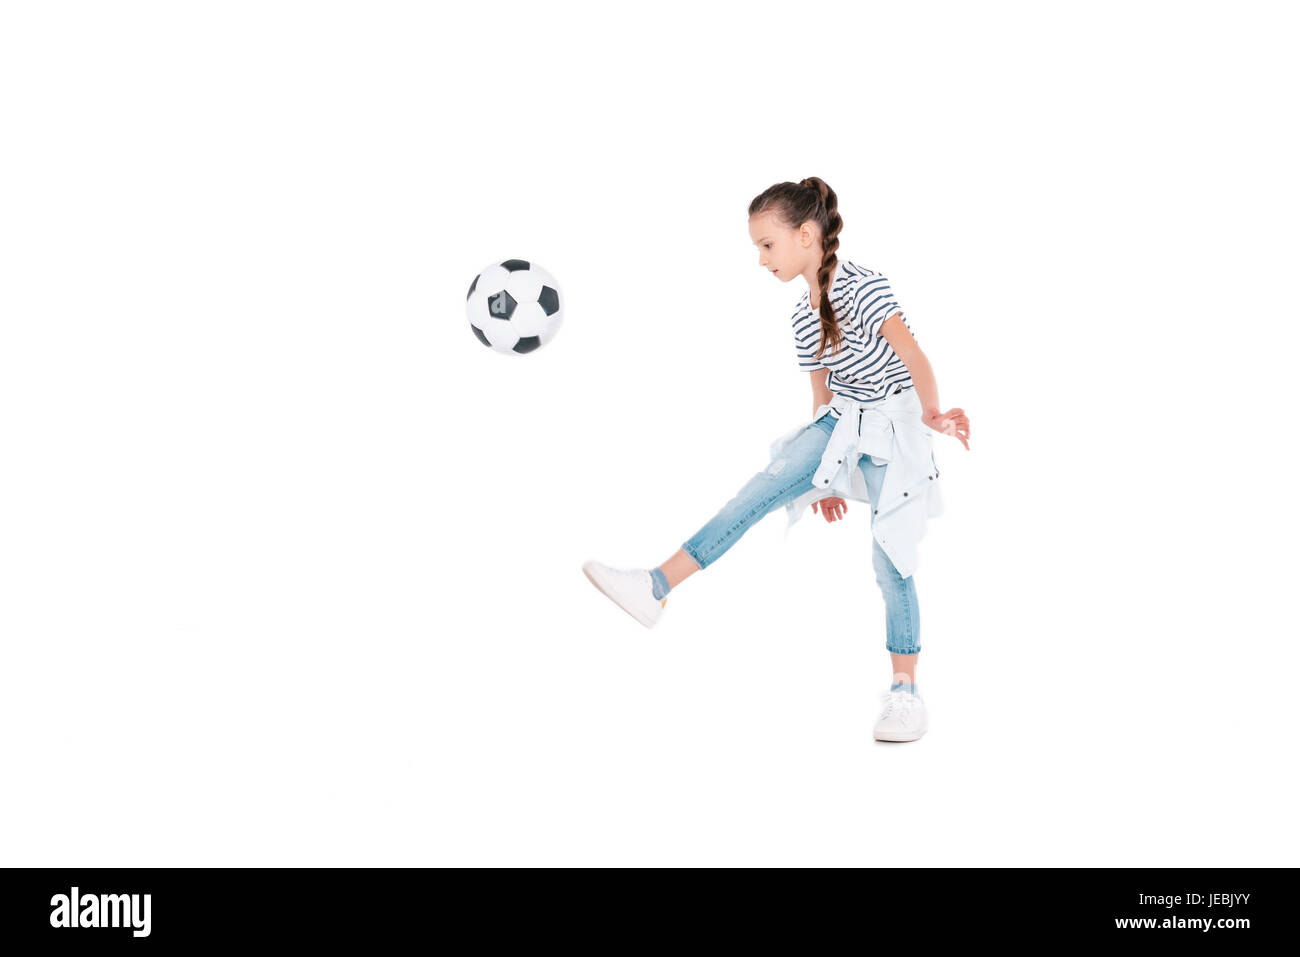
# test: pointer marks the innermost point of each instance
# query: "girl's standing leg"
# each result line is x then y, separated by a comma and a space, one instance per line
902, 613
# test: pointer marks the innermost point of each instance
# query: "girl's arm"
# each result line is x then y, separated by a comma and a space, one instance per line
899, 337
833, 508
821, 394
952, 422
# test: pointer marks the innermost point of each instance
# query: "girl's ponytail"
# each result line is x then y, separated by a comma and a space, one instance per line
831, 225
795, 204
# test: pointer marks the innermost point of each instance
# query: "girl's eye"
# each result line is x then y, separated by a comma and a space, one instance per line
767, 244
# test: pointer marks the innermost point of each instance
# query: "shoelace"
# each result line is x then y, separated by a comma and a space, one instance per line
899, 703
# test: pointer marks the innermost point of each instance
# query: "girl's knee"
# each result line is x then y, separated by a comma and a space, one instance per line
885, 571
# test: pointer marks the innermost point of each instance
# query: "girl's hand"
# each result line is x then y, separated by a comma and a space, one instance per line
953, 422
833, 507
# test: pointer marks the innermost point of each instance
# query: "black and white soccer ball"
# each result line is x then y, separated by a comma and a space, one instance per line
514, 306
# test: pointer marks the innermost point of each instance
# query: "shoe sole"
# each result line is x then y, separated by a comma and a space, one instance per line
887, 737
592, 578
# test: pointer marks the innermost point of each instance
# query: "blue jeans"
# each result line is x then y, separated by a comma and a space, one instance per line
784, 480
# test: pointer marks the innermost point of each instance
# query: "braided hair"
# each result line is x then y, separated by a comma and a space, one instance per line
794, 204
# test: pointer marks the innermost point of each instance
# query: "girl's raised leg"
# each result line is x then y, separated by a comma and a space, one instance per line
679, 568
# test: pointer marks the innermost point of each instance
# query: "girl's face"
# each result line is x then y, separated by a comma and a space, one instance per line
783, 251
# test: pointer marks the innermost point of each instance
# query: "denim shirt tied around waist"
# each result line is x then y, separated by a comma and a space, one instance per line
890, 430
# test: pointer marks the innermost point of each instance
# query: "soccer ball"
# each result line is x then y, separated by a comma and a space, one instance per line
514, 306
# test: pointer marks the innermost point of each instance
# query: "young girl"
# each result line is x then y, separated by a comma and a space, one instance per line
875, 401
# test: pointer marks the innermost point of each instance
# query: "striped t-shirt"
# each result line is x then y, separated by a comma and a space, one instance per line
866, 367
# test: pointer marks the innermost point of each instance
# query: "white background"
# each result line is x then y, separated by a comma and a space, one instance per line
290, 564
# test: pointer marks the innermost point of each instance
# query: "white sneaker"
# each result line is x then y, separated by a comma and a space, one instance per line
631, 589
903, 717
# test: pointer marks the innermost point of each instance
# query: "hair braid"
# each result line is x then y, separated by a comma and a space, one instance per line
831, 225
795, 204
